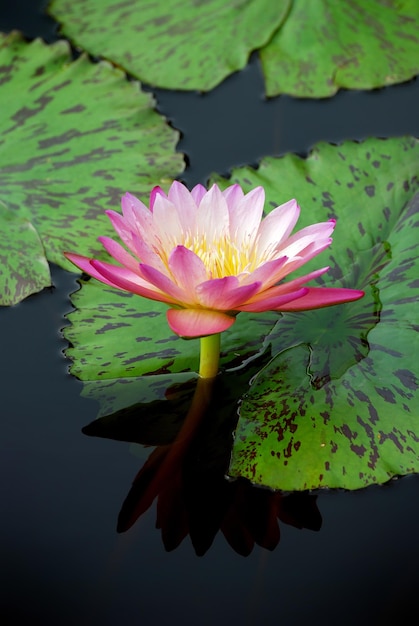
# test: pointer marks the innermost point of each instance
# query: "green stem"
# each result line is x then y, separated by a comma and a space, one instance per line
210, 356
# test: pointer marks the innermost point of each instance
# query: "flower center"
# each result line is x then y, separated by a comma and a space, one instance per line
222, 257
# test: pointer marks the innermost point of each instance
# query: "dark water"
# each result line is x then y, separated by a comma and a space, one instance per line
61, 560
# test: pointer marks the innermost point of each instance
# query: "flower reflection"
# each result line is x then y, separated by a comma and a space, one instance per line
187, 476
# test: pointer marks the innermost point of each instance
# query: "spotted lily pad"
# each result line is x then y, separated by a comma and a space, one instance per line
308, 49
325, 45
176, 44
23, 267
74, 136
337, 404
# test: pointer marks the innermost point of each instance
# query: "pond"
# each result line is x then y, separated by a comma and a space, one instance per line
62, 561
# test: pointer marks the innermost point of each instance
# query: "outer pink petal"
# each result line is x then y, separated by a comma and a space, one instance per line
284, 288
274, 302
198, 322
164, 284
267, 273
309, 253
302, 280
85, 265
277, 226
155, 192
188, 269
122, 228
319, 297
119, 253
135, 213
225, 294
245, 217
127, 281
131, 232
147, 254
318, 234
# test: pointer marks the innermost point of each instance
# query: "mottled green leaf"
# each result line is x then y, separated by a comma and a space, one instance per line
23, 267
308, 49
116, 335
337, 405
325, 45
176, 44
74, 136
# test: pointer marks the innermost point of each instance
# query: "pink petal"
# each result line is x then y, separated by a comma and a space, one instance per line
148, 255
187, 269
155, 192
164, 284
273, 303
185, 206
135, 212
277, 226
127, 281
166, 222
309, 253
212, 216
318, 234
232, 195
140, 226
319, 297
121, 227
267, 273
291, 285
198, 322
84, 264
197, 193
245, 217
119, 253
284, 288
225, 294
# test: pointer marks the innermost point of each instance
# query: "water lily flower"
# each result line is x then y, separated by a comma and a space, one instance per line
209, 255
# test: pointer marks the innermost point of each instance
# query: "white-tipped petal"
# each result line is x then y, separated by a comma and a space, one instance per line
245, 217
212, 216
277, 226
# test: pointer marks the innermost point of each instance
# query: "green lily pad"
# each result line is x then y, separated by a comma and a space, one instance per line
308, 49
326, 45
337, 404
23, 267
75, 136
118, 335
177, 44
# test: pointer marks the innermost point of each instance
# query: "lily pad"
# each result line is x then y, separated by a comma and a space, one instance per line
23, 267
308, 49
75, 136
177, 44
325, 45
337, 404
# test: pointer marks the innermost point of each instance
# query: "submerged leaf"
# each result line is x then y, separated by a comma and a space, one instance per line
337, 405
176, 44
75, 136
